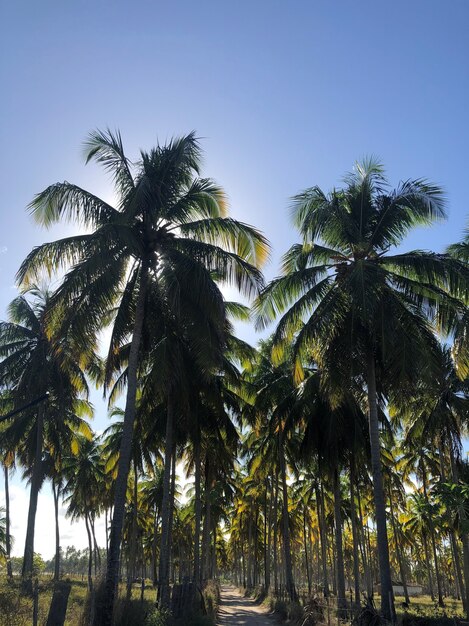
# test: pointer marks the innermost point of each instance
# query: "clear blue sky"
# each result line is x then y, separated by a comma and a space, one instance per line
284, 94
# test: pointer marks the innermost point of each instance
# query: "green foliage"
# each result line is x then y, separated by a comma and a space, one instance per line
211, 593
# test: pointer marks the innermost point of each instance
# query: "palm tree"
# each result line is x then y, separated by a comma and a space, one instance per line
5, 538
461, 321
84, 475
38, 361
357, 308
170, 227
8, 462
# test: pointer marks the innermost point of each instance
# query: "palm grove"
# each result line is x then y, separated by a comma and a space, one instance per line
330, 455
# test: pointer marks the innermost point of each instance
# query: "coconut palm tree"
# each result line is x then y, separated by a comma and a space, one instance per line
8, 458
461, 321
38, 361
357, 307
84, 480
170, 226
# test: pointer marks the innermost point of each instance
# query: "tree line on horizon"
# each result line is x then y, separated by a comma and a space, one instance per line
335, 439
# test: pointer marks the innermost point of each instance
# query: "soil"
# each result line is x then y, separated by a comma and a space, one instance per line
235, 610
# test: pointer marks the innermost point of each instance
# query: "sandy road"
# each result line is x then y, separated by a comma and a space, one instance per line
238, 611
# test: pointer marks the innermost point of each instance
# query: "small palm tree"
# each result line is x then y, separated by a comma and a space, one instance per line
5, 538
84, 476
37, 361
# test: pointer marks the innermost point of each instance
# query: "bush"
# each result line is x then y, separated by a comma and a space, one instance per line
281, 609
295, 611
211, 594
156, 618
15, 610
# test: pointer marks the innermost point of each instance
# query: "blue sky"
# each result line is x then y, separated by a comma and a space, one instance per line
284, 94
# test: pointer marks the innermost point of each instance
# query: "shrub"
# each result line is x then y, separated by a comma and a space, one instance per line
211, 594
295, 611
281, 609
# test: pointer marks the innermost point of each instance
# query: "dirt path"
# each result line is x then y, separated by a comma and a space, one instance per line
238, 611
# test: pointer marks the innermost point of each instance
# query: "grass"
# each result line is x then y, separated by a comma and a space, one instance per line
424, 606
16, 608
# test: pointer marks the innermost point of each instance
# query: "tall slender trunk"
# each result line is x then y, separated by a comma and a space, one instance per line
250, 552
463, 534
55, 493
428, 564
341, 597
133, 537
353, 515
433, 542
207, 521
276, 535
366, 556
172, 496
305, 541
155, 547
465, 552
27, 569
265, 531
255, 561
104, 616
97, 556
163, 588
269, 537
6, 470
106, 531
290, 585
198, 512
387, 595
90, 553
398, 548
457, 567
323, 538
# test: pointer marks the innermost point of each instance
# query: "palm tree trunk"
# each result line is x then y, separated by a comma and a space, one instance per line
104, 617
433, 542
269, 537
171, 509
198, 512
207, 522
133, 537
290, 585
27, 570
55, 493
276, 535
95, 543
322, 537
341, 597
398, 549
428, 564
250, 556
90, 554
7, 521
266, 490
463, 535
305, 541
163, 586
154, 547
387, 596
353, 515
457, 567
106, 531
465, 552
